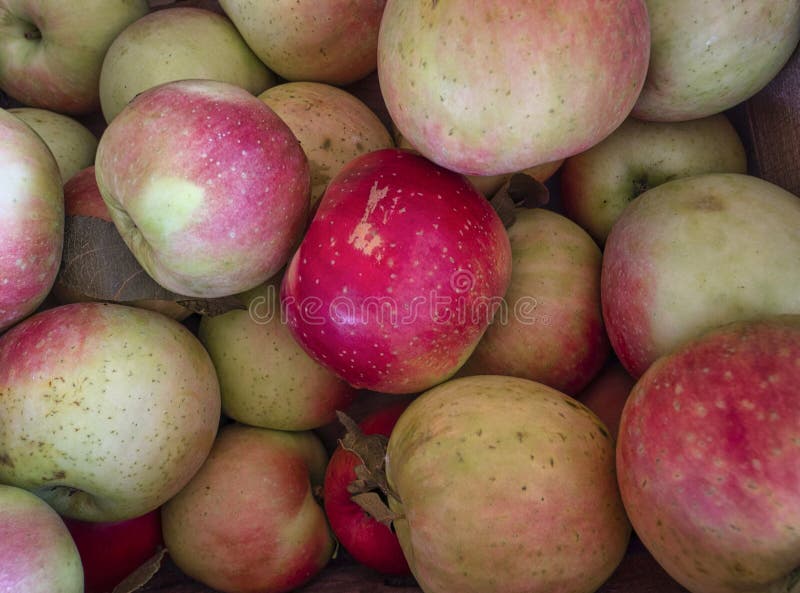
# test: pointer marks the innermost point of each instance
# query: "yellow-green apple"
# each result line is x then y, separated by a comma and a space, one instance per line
248, 520
485, 88
504, 484
51, 51
550, 328
266, 378
398, 274
32, 229
708, 458
206, 184
607, 393
82, 198
175, 44
37, 553
332, 125
106, 410
597, 184
331, 41
694, 253
707, 57
72, 143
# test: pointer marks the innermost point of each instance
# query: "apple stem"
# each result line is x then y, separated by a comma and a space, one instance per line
33, 34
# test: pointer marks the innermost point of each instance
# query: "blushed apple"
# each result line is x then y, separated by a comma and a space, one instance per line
597, 184
695, 253
174, 44
32, 229
607, 393
72, 143
206, 184
248, 520
107, 410
51, 51
37, 553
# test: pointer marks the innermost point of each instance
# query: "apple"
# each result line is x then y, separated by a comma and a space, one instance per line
485, 89
32, 231
248, 520
37, 554
388, 288
82, 198
173, 44
695, 253
266, 378
111, 551
51, 51
206, 184
504, 484
597, 184
107, 410
332, 125
708, 458
708, 57
330, 41
72, 143
368, 541
607, 393
550, 328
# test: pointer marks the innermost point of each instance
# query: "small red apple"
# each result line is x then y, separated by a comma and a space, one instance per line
368, 541
607, 393
110, 551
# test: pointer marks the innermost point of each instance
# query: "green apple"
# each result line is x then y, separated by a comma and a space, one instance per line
174, 44
597, 184
37, 552
72, 143
106, 410
51, 51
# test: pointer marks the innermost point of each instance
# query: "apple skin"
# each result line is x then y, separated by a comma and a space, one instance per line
334, 41
111, 551
174, 44
266, 378
107, 410
607, 393
72, 144
484, 88
207, 185
387, 288
333, 127
369, 542
248, 520
32, 232
37, 554
51, 51
494, 469
695, 253
597, 184
551, 328
708, 462
707, 57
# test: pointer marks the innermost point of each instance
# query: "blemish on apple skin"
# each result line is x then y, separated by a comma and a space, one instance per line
5, 459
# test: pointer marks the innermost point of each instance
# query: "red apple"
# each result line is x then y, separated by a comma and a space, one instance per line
607, 393
398, 275
110, 551
708, 458
371, 543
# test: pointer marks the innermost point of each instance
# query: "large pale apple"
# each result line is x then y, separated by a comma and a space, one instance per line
709, 462
248, 520
174, 44
708, 56
37, 553
550, 328
51, 51
597, 184
206, 184
504, 484
32, 226
486, 87
106, 411
695, 253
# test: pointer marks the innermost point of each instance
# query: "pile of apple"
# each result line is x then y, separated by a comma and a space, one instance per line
210, 247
